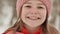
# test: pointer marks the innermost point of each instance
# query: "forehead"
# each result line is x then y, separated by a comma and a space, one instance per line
34, 1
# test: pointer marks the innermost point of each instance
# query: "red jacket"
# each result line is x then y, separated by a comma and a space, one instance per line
52, 30
25, 31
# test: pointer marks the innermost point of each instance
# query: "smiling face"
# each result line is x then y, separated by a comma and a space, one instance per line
33, 13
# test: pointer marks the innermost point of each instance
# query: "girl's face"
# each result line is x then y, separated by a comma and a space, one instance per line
33, 13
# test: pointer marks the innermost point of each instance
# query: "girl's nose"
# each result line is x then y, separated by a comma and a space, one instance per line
34, 11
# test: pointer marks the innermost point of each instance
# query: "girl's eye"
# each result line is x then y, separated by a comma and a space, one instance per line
40, 7
28, 6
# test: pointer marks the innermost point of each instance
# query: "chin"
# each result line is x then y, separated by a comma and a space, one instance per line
33, 25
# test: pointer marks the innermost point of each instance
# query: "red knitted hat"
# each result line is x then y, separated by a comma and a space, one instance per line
48, 4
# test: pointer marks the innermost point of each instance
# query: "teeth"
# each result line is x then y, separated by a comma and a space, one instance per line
33, 18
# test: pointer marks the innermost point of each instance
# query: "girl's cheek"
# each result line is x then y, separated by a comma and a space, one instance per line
25, 13
42, 13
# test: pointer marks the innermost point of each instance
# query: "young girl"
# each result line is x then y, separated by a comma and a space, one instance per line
32, 18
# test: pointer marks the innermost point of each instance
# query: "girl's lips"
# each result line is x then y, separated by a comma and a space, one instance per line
33, 18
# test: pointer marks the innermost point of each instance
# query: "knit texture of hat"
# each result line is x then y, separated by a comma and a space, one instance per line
47, 3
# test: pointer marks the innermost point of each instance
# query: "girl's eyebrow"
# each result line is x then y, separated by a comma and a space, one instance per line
39, 4
31, 3
28, 3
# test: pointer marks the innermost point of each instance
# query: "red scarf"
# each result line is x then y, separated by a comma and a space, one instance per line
39, 31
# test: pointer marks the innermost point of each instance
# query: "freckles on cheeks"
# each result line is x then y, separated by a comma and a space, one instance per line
43, 13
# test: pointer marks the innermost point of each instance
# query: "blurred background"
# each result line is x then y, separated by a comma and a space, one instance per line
8, 15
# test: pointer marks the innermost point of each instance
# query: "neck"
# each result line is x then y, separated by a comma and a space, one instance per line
31, 29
